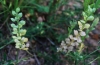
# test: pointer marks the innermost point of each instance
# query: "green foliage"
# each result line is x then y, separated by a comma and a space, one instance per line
68, 44
92, 27
72, 26
86, 3
59, 20
94, 3
18, 32
97, 4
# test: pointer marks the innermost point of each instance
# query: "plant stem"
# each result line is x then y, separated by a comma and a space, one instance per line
94, 60
29, 53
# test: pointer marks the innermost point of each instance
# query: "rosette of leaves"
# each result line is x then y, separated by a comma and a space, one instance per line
18, 32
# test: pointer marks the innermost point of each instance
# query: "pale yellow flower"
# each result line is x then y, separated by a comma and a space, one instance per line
65, 47
78, 39
82, 33
87, 26
76, 32
80, 25
77, 36
63, 43
71, 37
67, 40
70, 48
76, 43
72, 43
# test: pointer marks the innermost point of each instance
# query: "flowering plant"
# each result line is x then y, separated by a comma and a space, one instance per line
18, 32
77, 40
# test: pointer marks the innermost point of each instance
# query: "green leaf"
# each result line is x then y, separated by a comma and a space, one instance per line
18, 9
89, 9
20, 25
14, 37
22, 31
87, 26
93, 10
15, 29
12, 19
24, 39
17, 18
90, 18
14, 32
86, 3
95, 22
20, 15
84, 15
13, 13
22, 22
12, 25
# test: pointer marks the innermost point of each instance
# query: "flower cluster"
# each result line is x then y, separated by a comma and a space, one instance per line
72, 41
78, 38
18, 32
84, 25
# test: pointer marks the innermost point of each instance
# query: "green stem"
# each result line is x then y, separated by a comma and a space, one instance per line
29, 53
94, 60
18, 28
